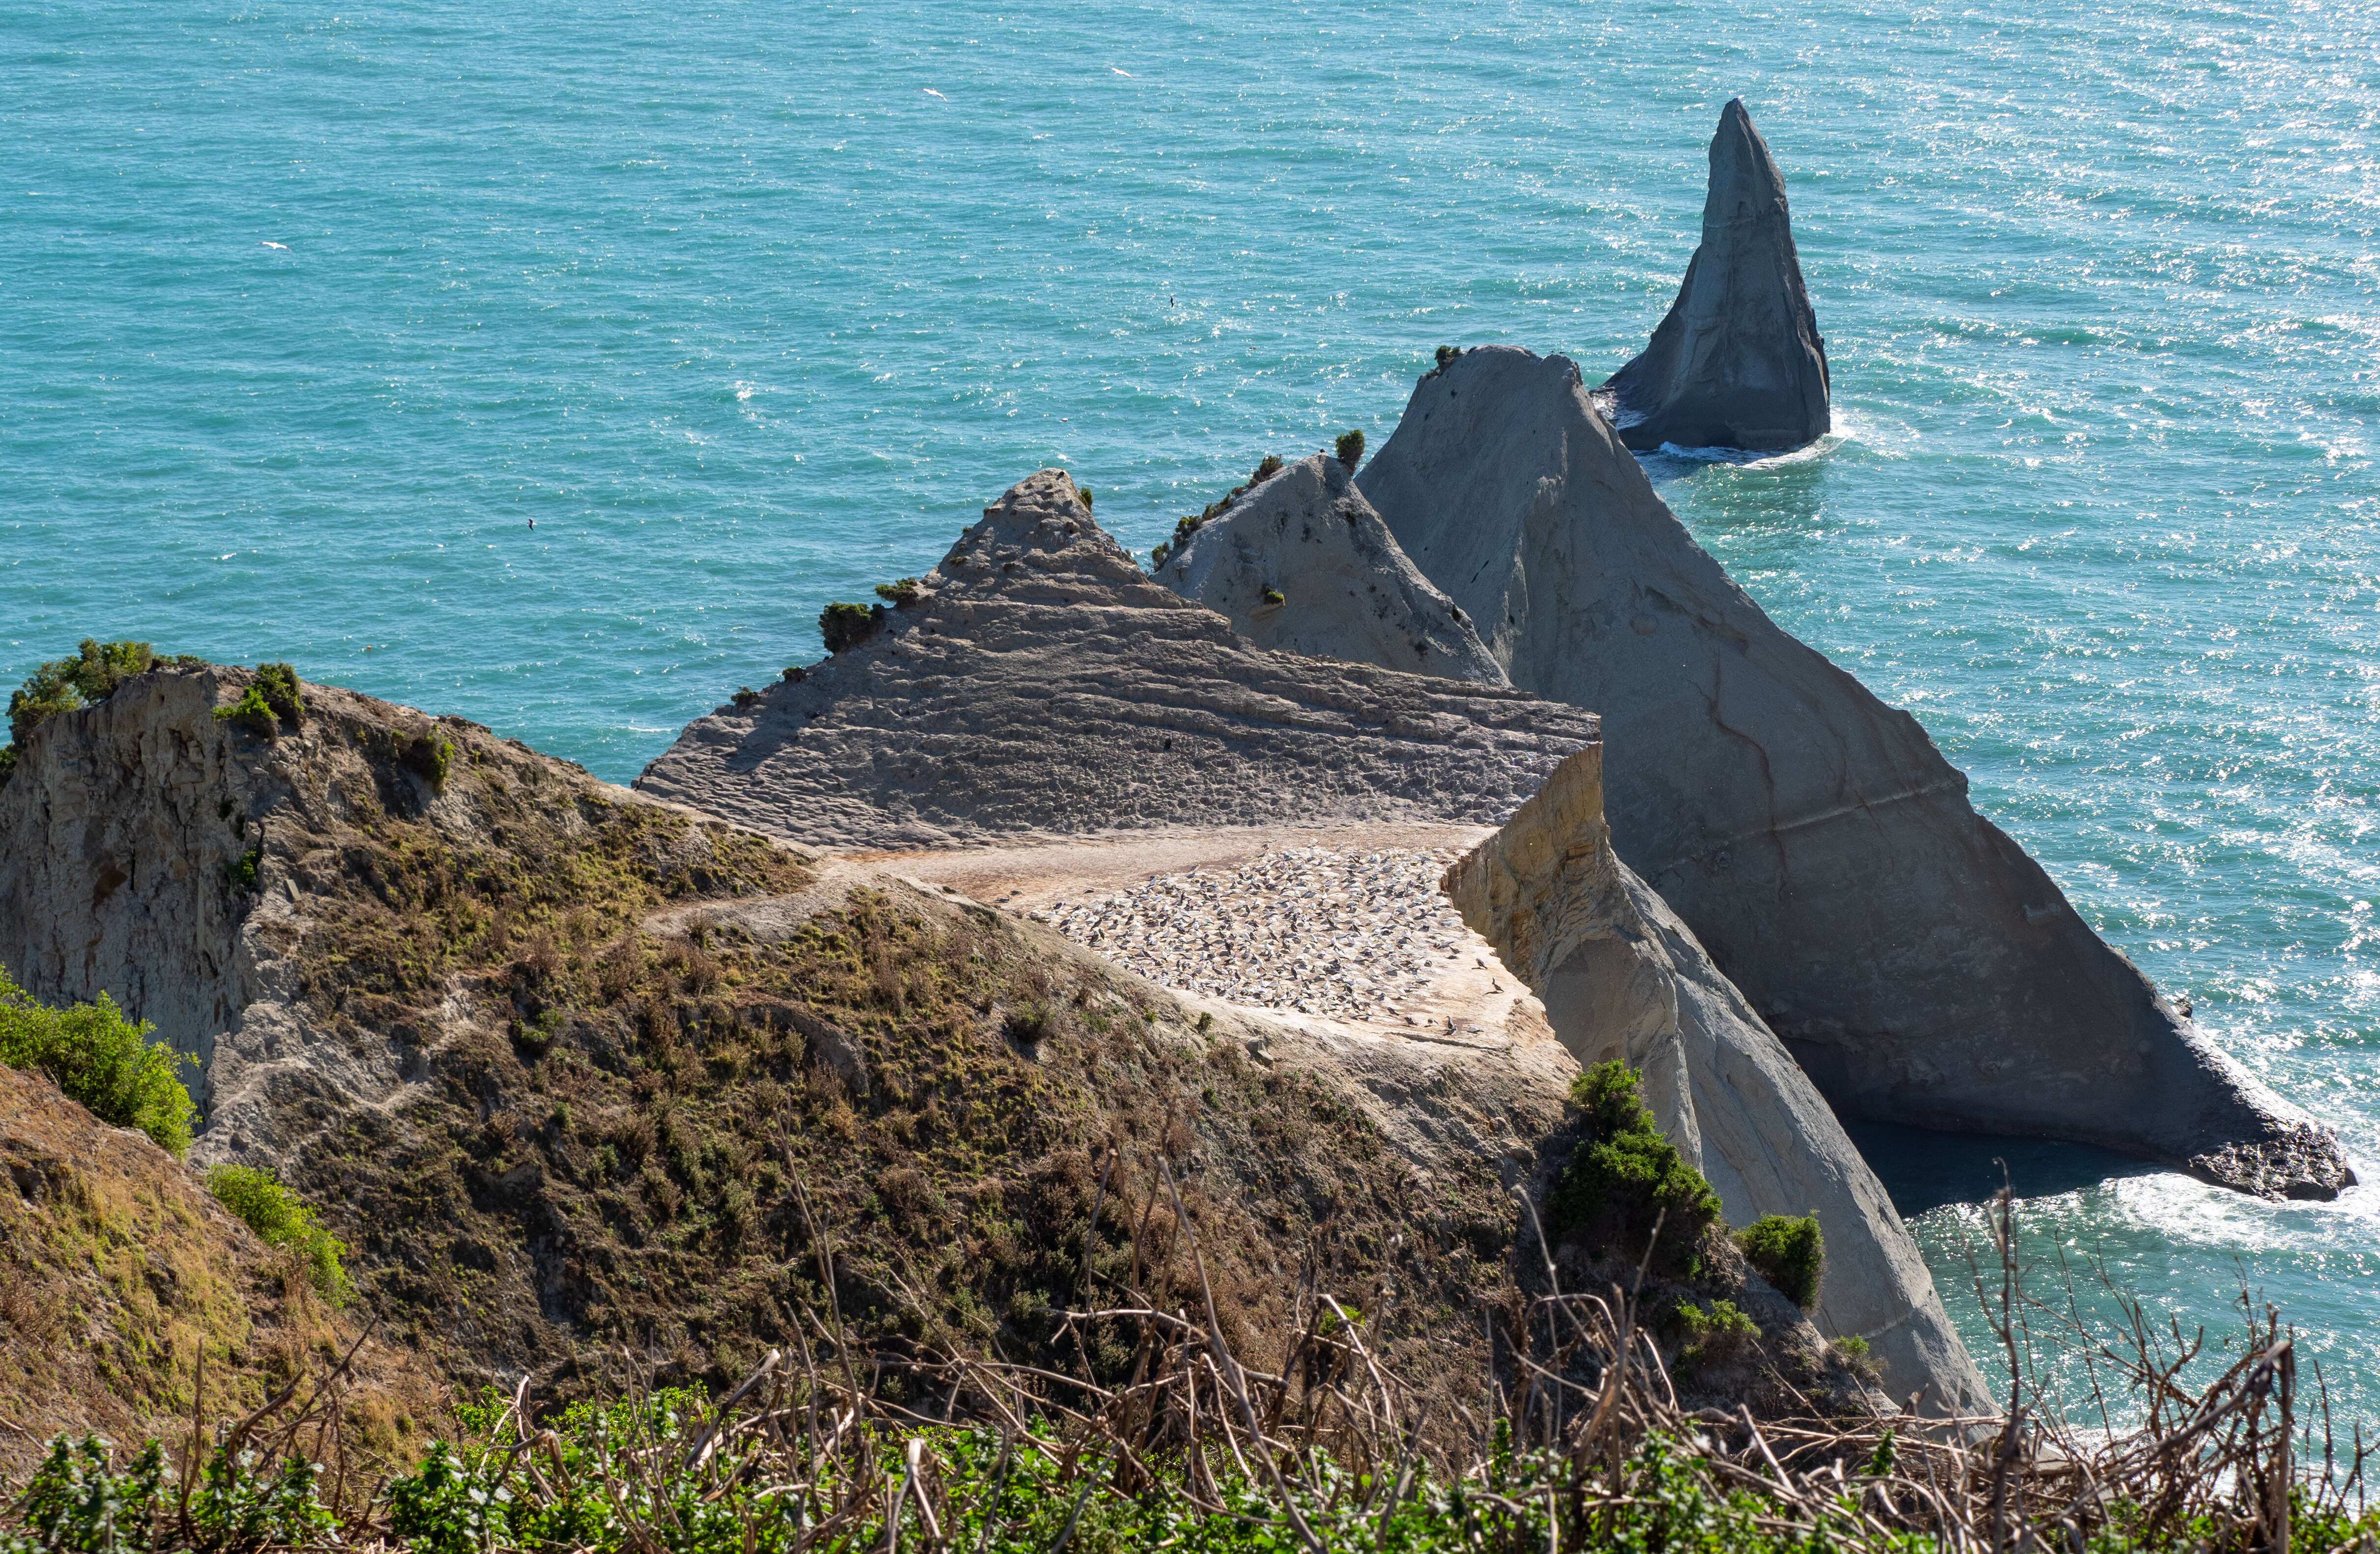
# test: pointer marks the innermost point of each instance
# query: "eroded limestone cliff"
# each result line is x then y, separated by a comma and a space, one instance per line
1919, 965
1302, 565
1622, 978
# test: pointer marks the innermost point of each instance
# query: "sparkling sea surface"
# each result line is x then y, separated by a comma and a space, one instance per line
306, 313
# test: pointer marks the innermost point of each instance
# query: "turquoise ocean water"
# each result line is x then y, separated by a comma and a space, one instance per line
306, 312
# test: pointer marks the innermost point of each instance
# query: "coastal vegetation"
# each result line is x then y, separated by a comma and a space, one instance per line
846, 625
1194, 1448
1350, 447
1625, 1183
1788, 1251
273, 701
281, 1218
101, 1060
64, 684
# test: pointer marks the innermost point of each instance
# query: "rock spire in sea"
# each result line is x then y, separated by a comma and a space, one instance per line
1738, 362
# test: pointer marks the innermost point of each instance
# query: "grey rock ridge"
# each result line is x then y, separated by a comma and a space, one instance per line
1041, 684
1737, 362
1920, 966
1037, 623
1302, 565
1622, 978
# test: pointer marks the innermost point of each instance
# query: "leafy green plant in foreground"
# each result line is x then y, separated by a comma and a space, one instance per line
282, 1218
101, 1059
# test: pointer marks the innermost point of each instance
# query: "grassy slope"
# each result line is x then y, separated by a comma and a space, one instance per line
118, 1274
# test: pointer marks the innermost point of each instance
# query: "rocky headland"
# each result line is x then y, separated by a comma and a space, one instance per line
1919, 965
1303, 915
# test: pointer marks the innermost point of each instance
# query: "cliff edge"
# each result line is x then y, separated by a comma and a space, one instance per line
1919, 965
1622, 978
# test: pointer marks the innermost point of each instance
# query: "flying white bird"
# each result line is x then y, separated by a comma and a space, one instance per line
931, 92
268, 243
1125, 74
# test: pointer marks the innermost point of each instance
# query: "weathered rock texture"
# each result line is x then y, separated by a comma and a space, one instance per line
560, 1062
1033, 602
1622, 978
1042, 685
1917, 962
1302, 565
1737, 362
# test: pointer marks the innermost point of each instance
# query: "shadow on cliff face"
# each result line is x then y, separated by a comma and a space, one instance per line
1923, 1169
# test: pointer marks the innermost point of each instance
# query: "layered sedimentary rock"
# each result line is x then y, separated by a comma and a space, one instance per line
1737, 362
1040, 683
1921, 968
1036, 610
1622, 978
1302, 565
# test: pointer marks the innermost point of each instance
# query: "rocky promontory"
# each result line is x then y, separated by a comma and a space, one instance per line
1919, 965
1038, 682
1737, 362
576, 1072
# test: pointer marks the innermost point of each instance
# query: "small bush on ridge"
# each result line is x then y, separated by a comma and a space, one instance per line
1786, 1251
846, 625
429, 757
280, 1217
1623, 1177
1351, 448
101, 1059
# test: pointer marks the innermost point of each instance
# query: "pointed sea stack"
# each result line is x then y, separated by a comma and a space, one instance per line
1738, 362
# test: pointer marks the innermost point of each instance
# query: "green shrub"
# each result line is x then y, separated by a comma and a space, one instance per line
85, 680
280, 1217
1266, 470
1789, 1253
1623, 1177
1085, 492
243, 870
745, 695
101, 1060
1718, 1333
282, 692
252, 712
431, 757
1274, 596
794, 674
900, 591
1446, 355
1351, 448
847, 626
